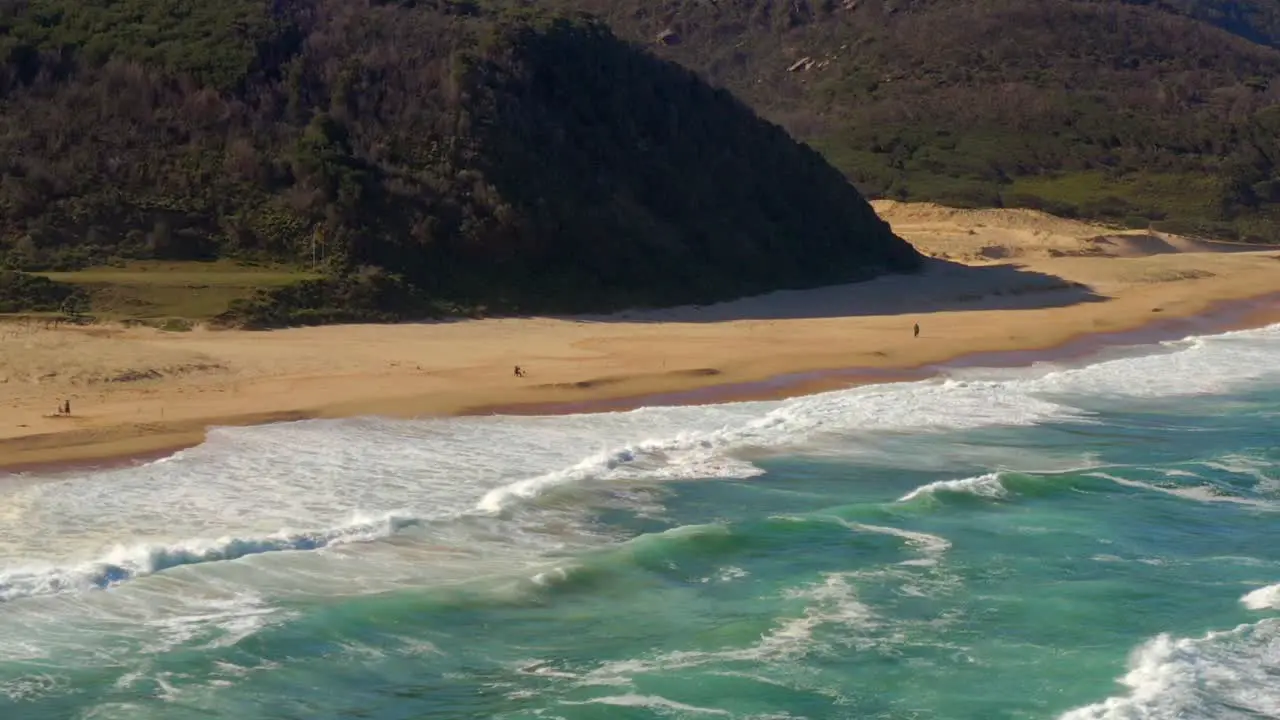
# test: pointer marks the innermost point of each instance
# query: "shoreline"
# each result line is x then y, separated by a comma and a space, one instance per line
1226, 316
1000, 288
126, 447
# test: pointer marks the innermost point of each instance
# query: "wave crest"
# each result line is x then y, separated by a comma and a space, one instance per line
986, 486
126, 563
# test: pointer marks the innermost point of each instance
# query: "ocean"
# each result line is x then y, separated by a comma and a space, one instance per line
1095, 539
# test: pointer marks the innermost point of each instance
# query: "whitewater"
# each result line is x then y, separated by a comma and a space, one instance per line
1093, 539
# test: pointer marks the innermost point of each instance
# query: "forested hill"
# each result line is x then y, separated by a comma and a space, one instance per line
1135, 111
426, 155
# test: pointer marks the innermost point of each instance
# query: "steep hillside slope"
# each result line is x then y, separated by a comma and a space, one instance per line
1129, 110
429, 155
1256, 20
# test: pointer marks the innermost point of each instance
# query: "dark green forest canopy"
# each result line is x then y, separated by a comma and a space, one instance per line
430, 155
1134, 111
433, 155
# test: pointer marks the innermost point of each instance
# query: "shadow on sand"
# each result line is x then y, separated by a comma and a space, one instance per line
940, 286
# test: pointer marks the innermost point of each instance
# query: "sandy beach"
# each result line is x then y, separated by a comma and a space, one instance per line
998, 280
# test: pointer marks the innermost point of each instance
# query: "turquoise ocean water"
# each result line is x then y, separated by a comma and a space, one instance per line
1093, 540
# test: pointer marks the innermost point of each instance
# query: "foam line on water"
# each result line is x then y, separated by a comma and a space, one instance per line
1198, 493
832, 601
656, 703
932, 547
1255, 468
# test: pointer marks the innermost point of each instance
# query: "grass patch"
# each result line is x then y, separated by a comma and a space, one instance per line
175, 325
173, 294
1153, 196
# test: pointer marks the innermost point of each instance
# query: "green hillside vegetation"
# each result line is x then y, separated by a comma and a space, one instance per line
423, 158
1138, 112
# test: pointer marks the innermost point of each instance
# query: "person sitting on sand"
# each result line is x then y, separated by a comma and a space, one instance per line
519, 371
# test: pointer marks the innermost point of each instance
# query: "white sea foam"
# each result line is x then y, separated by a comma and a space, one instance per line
1256, 468
832, 602
1195, 366
215, 622
931, 547
27, 688
1198, 493
235, 495
656, 703
547, 578
1227, 675
1264, 598
126, 562
920, 407
209, 528
726, 574
988, 486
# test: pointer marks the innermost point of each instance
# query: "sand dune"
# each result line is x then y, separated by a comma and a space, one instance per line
995, 235
999, 280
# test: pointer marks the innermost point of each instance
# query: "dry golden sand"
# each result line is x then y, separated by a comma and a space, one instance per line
1002, 280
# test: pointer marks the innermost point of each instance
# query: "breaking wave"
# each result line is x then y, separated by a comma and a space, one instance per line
987, 486
126, 563
1228, 675
1264, 598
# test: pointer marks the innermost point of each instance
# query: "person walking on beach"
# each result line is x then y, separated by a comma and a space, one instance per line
66, 407
917, 330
